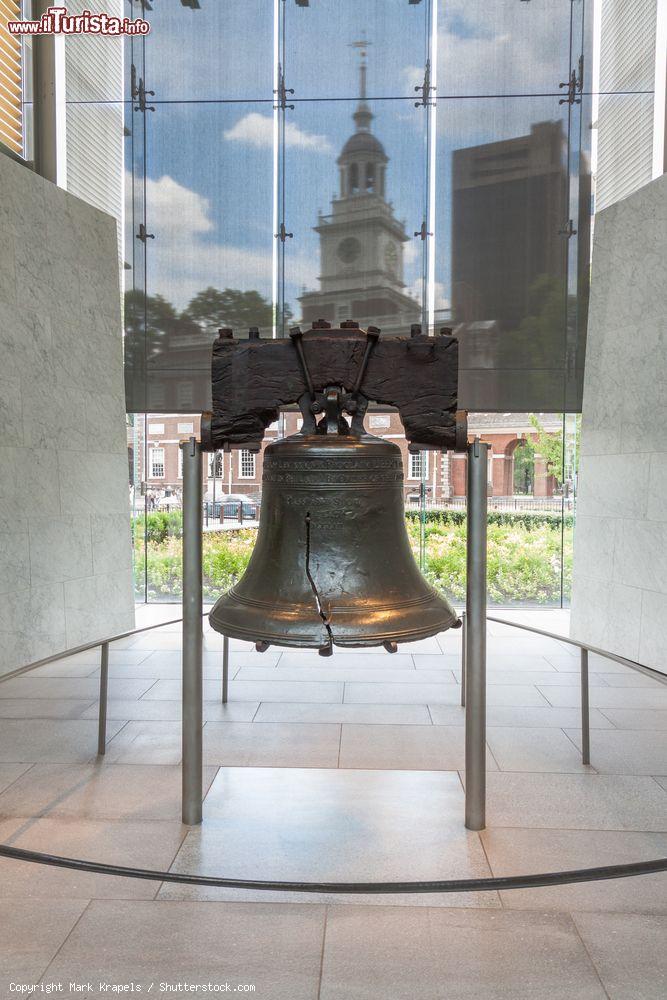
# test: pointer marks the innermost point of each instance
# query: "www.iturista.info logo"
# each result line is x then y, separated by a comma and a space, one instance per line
56, 21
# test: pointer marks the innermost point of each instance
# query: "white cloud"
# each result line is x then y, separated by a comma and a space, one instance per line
183, 259
257, 130
441, 302
412, 76
176, 210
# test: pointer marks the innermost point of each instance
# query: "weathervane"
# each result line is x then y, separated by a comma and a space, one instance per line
362, 44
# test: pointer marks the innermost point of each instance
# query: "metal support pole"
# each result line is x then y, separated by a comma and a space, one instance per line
585, 714
192, 633
475, 737
225, 668
104, 689
464, 639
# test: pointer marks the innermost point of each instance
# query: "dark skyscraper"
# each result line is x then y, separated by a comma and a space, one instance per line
509, 206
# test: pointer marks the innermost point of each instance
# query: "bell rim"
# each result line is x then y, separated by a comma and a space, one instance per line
253, 602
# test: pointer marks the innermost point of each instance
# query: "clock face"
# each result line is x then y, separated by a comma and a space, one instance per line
349, 249
391, 257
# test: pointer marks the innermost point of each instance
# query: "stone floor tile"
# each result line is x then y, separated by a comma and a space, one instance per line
70, 687
91, 658
631, 679
170, 711
533, 749
434, 954
401, 675
608, 697
174, 658
314, 824
10, 772
368, 714
575, 801
132, 843
524, 644
45, 708
525, 718
65, 668
632, 752
571, 663
352, 660
636, 718
543, 679
495, 665
236, 744
522, 852
276, 949
271, 744
31, 936
628, 951
306, 691
55, 740
422, 748
98, 791
439, 694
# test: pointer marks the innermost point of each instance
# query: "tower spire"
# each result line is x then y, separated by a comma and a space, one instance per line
363, 115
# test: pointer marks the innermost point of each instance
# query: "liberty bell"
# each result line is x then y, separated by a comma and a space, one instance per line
332, 565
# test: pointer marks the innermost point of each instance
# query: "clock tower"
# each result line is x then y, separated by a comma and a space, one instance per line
361, 241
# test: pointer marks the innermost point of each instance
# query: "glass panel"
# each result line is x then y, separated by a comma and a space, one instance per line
209, 242
501, 268
220, 51
323, 41
354, 198
530, 511
134, 318
506, 47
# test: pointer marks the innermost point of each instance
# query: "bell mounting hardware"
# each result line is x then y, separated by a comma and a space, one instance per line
254, 379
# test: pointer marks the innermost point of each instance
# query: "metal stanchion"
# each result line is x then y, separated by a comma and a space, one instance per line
104, 691
225, 668
192, 633
585, 714
464, 639
475, 659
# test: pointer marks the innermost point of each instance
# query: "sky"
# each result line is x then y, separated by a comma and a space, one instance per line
209, 155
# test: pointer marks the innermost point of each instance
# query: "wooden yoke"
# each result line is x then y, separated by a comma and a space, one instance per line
253, 379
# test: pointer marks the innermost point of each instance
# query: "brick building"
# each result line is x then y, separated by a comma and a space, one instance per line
154, 457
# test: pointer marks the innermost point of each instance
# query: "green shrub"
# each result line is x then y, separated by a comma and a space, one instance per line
530, 519
524, 557
159, 525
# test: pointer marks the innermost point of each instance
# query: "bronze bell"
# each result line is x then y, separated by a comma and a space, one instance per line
332, 564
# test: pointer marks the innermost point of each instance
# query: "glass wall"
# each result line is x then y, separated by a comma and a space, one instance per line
388, 161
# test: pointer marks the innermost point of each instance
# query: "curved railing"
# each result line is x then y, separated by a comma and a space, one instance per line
493, 883
585, 648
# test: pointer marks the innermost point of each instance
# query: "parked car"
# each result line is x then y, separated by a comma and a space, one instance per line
228, 505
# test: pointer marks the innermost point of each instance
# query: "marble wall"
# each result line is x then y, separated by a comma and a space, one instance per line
619, 599
65, 556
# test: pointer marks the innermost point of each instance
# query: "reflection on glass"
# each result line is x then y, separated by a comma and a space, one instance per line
320, 41
504, 47
359, 260
213, 51
503, 229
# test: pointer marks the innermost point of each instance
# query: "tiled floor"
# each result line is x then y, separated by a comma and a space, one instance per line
332, 770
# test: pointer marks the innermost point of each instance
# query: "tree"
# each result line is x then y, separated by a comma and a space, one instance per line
549, 444
212, 309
